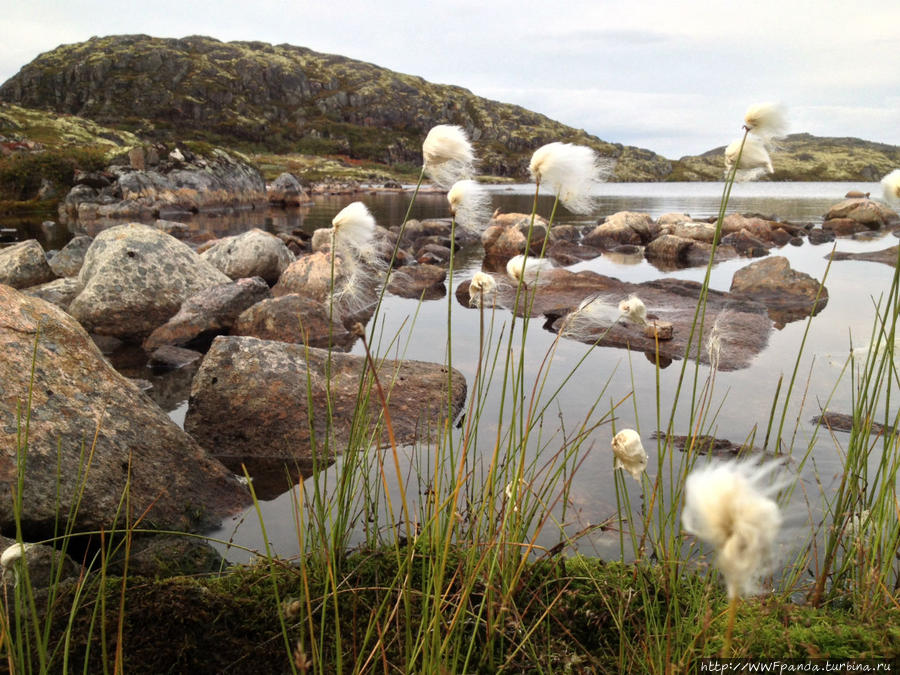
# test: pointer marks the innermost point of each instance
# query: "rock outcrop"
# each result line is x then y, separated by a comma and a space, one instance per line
92, 435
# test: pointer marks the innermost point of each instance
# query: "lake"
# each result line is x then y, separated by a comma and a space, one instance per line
743, 398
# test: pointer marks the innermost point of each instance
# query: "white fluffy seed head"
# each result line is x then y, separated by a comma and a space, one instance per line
527, 270
766, 120
12, 553
354, 228
571, 171
481, 283
448, 155
634, 310
594, 316
754, 159
629, 453
470, 204
890, 184
730, 506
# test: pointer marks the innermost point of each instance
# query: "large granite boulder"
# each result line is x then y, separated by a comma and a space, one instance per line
135, 278
254, 253
208, 313
787, 294
24, 264
259, 399
92, 435
623, 228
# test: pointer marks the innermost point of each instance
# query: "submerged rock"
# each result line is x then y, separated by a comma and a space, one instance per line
92, 435
136, 278
256, 398
24, 264
886, 256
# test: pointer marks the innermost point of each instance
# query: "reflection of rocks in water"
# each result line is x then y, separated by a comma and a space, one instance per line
169, 387
887, 256
272, 476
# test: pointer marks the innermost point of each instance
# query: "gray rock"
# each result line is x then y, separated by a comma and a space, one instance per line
135, 278
256, 398
60, 292
208, 313
254, 253
286, 190
92, 435
419, 281
24, 264
46, 565
169, 356
68, 262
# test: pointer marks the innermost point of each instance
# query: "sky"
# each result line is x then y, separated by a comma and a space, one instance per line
672, 76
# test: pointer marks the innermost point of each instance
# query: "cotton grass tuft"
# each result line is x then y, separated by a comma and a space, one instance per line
448, 155
571, 171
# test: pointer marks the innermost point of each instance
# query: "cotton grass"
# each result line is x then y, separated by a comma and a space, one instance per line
528, 271
470, 204
448, 155
629, 453
571, 171
890, 185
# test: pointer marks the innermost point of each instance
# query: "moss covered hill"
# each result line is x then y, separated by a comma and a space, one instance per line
804, 157
281, 98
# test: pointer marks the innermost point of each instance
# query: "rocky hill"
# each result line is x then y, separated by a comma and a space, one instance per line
804, 157
282, 98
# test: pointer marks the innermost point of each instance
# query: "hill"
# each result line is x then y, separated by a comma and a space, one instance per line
804, 157
258, 97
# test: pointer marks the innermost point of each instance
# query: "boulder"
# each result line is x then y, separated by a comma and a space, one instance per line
169, 357
24, 264
507, 235
868, 212
287, 191
623, 228
67, 263
844, 227
92, 434
746, 244
419, 281
254, 253
293, 318
135, 278
208, 313
256, 398
60, 292
671, 252
787, 294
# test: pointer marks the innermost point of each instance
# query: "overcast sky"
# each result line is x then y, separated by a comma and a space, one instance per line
673, 76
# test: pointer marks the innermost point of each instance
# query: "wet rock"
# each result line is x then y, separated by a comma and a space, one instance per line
624, 227
507, 235
710, 445
79, 403
788, 294
568, 252
688, 229
746, 244
433, 254
844, 227
868, 212
835, 421
169, 356
287, 191
887, 256
744, 326
67, 263
24, 264
60, 292
670, 252
136, 278
208, 313
296, 319
258, 398
820, 236
46, 565
254, 253
419, 281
